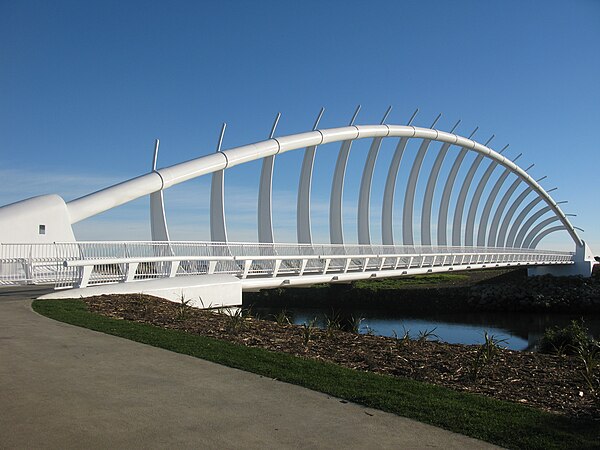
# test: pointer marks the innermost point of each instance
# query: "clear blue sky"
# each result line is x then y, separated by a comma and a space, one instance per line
85, 87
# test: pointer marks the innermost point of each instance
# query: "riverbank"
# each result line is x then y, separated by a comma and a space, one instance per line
508, 290
547, 382
185, 330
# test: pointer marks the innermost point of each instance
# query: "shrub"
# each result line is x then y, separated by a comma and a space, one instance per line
566, 340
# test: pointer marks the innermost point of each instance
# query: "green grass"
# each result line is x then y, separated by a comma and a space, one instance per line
416, 280
503, 423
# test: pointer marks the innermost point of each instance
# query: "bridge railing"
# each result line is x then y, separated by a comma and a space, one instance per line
88, 263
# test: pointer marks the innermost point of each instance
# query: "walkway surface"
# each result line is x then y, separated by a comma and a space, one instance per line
67, 387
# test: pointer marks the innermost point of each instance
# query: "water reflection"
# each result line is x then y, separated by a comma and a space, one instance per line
522, 331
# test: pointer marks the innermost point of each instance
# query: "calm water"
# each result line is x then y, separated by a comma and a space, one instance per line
521, 331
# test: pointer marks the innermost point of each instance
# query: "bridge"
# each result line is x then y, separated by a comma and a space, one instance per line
478, 222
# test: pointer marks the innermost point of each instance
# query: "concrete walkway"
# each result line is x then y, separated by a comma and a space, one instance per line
67, 387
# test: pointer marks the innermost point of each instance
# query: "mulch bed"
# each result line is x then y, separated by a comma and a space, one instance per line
549, 382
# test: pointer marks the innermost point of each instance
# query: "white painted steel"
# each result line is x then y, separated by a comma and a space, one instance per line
519, 240
387, 210
218, 226
492, 236
364, 197
500, 241
487, 208
84, 264
159, 230
265, 193
336, 230
470, 226
516, 226
430, 190
462, 198
146, 184
536, 231
303, 228
545, 233
409, 194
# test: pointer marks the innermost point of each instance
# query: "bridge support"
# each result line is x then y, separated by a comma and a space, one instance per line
584, 263
200, 291
36, 220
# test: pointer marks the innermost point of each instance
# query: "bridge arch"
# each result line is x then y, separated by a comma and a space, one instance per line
160, 179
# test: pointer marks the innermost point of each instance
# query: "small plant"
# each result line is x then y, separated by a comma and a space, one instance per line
333, 323
282, 318
354, 324
565, 340
369, 331
308, 330
486, 354
404, 339
235, 320
183, 307
589, 355
428, 335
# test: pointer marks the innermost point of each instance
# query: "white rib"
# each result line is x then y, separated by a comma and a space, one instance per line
510, 240
527, 226
158, 218
545, 233
493, 234
387, 210
538, 228
364, 196
303, 228
470, 228
409, 195
116, 195
265, 194
487, 209
336, 231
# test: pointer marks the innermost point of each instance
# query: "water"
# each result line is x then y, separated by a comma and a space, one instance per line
521, 331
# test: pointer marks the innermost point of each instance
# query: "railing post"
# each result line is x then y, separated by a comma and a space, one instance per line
131, 269
85, 273
212, 265
276, 268
303, 266
366, 263
326, 266
247, 265
174, 269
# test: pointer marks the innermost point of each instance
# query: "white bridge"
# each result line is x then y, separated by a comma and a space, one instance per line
493, 217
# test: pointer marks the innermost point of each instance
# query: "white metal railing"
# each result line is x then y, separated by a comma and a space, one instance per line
83, 264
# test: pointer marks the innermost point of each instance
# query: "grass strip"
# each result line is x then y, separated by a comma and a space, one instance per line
499, 422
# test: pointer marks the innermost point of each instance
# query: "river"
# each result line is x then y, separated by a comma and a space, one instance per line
520, 331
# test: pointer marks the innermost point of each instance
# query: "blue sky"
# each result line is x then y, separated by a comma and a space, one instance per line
87, 86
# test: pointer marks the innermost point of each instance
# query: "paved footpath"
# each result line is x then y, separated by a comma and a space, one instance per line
67, 387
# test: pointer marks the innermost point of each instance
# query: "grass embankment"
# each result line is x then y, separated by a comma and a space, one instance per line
503, 423
433, 280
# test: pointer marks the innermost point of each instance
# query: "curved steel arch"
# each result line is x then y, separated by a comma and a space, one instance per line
364, 196
409, 194
430, 190
387, 209
487, 208
538, 228
516, 226
493, 233
442, 230
265, 193
462, 197
545, 233
518, 242
470, 227
166, 177
303, 228
336, 231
